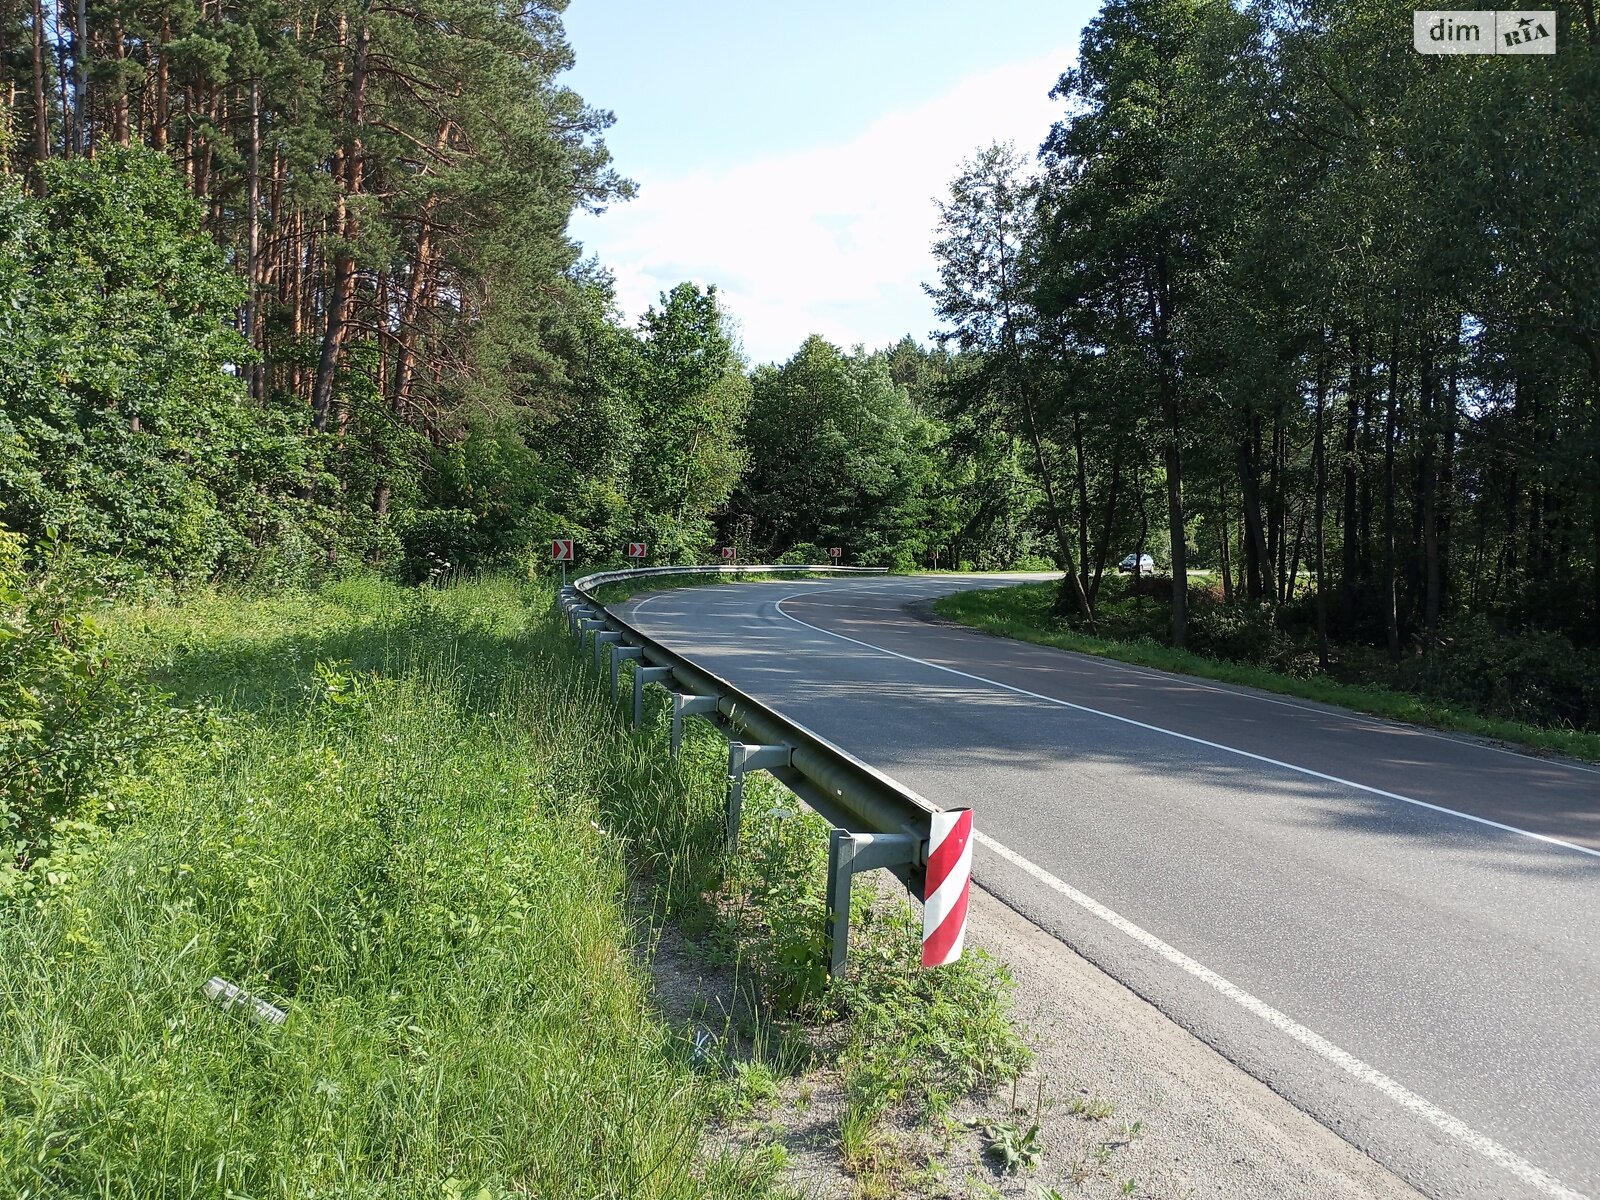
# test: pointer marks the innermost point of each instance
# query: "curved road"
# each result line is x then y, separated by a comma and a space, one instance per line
1394, 928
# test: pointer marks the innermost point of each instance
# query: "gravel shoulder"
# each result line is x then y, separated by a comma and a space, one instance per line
1130, 1103
1206, 1128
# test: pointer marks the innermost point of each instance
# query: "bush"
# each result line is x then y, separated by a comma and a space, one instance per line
69, 719
1235, 632
1536, 676
806, 554
1032, 562
124, 426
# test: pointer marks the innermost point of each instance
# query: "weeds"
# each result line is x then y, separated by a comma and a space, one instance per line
1011, 1147
411, 819
1091, 1108
388, 834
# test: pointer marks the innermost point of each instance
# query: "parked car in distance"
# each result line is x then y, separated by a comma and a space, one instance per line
1142, 563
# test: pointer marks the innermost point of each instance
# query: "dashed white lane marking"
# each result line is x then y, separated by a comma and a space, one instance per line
1315, 1042
1260, 758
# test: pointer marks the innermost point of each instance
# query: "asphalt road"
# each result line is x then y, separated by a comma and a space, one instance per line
1396, 929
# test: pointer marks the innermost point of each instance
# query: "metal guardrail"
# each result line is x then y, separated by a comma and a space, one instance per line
878, 821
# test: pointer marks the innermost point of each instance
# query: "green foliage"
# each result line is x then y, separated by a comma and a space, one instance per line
915, 1040
1244, 632
778, 915
806, 554
1012, 1148
1536, 677
127, 437
388, 834
923, 1038
836, 458
71, 721
691, 399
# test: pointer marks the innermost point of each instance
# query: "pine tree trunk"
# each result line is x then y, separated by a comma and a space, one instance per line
253, 251
1072, 583
163, 113
1083, 500
119, 110
1172, 455
1102, 550
1222, 540
1347, 519
1429, 479
344, 271
1391, 605
1258, 567
1319, 456
41, 112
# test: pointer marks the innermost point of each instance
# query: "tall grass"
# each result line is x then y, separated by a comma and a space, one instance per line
386, 824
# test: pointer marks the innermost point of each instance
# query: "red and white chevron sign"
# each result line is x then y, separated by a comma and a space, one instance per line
561, 549
637, 549
728, 552
944, 908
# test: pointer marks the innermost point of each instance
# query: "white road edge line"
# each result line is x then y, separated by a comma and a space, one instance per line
1485, 1146
1261, 758
1400, 1094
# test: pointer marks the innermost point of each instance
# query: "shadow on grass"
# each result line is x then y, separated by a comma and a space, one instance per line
278, 674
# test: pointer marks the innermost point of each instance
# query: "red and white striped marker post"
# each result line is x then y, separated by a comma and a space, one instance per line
949, 880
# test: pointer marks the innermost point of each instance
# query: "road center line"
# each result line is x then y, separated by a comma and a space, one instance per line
1315, 1042
1261, 758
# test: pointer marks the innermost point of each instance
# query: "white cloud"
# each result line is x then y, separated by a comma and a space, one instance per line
833, 240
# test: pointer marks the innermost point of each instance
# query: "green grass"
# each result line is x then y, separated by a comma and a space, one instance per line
384, 827
413, 819
1026, 613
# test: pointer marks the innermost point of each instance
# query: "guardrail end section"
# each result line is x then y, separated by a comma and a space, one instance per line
949, 884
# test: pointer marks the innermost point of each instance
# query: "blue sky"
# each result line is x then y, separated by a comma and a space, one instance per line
791, 154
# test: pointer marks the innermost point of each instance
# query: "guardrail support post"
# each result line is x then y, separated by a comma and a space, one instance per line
587, 623
618, 654
848, 853
602, 637
683, 706
641, 676
743, 757
575, 614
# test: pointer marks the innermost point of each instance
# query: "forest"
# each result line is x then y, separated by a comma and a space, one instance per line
302, 368
1314, 321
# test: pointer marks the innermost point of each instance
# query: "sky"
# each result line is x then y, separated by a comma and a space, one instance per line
792, 154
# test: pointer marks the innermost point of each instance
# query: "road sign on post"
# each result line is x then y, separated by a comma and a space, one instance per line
944, 911
637, 549
561, 552
729, 553
835, 552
